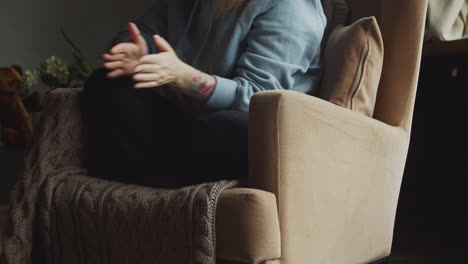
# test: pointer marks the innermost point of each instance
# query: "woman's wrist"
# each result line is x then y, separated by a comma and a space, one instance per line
195, 83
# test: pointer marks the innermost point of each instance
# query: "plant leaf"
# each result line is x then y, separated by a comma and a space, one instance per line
83, 64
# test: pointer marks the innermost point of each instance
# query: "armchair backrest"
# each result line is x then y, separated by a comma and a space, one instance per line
402, 23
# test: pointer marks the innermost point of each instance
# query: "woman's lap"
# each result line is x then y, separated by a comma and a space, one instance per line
216, 145
145, 139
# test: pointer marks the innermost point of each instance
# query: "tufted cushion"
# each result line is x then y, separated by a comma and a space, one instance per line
353, 66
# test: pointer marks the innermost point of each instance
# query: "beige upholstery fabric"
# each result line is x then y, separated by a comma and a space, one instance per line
247, 226
447, 20
402, 28
353, 65
336, 174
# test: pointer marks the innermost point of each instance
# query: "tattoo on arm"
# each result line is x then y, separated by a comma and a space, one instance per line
202, 85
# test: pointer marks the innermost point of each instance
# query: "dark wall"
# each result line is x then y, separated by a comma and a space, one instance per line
30, 29
30, 33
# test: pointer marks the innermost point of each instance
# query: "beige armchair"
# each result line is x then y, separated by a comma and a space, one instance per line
323, 180
335, 174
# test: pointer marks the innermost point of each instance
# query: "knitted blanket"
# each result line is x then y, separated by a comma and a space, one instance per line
59, 214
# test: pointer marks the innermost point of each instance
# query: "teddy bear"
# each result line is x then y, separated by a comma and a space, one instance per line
15, 122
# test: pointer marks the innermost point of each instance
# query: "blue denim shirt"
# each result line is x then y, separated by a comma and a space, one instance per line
261, 45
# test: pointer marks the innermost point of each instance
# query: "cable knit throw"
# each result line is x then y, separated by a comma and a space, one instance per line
60, 215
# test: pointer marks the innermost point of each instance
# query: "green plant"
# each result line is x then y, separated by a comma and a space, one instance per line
55, 73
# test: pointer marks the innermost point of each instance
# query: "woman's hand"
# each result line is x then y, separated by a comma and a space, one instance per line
124, 57
161, 68
166, 68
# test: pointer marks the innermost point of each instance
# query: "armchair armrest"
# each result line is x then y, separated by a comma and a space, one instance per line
59, 127
336, 175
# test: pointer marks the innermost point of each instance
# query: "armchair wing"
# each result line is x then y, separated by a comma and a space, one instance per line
336, 175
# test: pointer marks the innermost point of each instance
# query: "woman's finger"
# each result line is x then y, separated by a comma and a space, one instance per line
115, 57
136, 36
150, 59
145, 77
133, 31
162, 44
122, 48
147, 68
147, 84
115, 73
113, 65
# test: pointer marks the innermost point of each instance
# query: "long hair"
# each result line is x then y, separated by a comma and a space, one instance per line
221, 6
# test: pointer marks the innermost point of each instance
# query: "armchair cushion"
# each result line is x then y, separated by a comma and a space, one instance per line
353, 65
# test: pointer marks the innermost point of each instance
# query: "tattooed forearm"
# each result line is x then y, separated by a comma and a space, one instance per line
202, 85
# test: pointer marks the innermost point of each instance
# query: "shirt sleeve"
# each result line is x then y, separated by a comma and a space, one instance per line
153, 21
282, 42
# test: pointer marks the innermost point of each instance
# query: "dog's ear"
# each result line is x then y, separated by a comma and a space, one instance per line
18, 68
